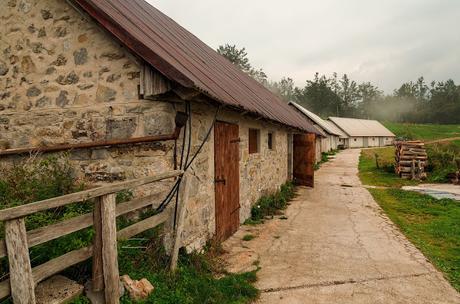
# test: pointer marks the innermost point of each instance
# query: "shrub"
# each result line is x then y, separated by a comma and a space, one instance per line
441, 161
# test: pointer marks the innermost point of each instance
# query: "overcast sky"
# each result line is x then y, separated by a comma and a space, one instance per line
385, 42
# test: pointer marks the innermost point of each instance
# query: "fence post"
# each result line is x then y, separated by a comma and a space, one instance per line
98, 274
180, 217
21, 278
109, 249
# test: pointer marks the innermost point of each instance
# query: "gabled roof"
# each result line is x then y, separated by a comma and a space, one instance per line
336, 129
182, 57
315, 118
361, 127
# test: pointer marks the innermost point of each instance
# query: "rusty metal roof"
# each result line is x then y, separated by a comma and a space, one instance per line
182, 57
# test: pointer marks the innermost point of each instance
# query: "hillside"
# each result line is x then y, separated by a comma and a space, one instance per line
426, 132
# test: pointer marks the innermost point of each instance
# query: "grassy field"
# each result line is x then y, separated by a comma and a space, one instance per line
423, 131
384, 175
432, 225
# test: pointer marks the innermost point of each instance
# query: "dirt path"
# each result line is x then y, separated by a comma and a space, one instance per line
442, 140
337, 246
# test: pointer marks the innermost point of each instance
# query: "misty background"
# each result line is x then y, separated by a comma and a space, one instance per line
384, 47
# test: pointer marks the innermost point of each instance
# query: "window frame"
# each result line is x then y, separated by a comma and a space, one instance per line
271, 140
253, 143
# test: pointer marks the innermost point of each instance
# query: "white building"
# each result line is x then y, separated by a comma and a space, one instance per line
363, 133
330, 138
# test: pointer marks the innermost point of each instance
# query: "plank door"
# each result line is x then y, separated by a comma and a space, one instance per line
304, 159
227, 179
365, 142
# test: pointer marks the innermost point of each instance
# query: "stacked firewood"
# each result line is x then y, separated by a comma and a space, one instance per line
411, 159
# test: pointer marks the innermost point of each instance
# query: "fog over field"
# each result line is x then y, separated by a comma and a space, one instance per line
384, 42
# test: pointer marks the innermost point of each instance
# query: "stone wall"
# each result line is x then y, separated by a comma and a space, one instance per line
64, 80
260, 173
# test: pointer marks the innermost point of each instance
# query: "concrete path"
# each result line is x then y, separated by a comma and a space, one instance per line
337, 246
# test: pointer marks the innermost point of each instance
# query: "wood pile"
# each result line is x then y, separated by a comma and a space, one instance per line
411, 160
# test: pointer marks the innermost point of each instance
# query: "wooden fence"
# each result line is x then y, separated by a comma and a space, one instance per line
105, 276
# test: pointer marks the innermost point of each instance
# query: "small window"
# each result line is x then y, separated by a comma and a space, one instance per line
355, 139
270, 141
386, 138
254, 135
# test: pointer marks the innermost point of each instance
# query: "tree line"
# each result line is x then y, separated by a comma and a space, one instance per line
414, 101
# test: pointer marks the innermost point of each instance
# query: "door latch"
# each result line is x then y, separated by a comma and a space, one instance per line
221, 180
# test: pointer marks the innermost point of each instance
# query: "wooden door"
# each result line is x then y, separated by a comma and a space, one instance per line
304, 159
365, 142
227, 179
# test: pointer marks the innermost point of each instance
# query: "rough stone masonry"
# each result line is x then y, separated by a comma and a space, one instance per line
65, 80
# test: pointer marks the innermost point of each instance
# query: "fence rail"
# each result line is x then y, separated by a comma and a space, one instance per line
105, 276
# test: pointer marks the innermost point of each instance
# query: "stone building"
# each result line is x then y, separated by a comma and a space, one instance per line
74, 72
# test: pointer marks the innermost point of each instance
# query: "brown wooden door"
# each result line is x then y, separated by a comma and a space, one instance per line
304, 159
227, 179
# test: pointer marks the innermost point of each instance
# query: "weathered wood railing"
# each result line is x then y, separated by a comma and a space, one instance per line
105, 276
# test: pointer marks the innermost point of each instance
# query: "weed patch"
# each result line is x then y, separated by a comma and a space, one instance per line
195, 281
271, 204
248, 237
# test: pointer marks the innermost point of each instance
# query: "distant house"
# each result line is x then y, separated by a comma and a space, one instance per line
330, 135
114, 76
363, 133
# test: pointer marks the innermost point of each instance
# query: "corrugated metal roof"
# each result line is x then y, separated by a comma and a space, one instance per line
318, 120
336, 129
361, 127
182, 57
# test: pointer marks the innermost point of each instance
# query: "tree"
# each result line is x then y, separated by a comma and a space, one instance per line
349, 94
239, 57
285, 88
370, 96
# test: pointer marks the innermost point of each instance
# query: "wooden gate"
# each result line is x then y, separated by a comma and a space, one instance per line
304, 159
227, 179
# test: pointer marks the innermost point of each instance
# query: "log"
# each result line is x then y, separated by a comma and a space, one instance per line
21, 278
97, 266
24, 210
143, 225
181, 208
109, 249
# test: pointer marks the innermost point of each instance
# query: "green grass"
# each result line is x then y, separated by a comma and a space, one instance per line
423, 131
248, 237
271, 205
431, 225
383, 176
198, 279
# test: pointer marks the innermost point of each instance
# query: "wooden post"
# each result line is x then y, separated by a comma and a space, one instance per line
21, 278
109, 249
179, 227
98, 274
